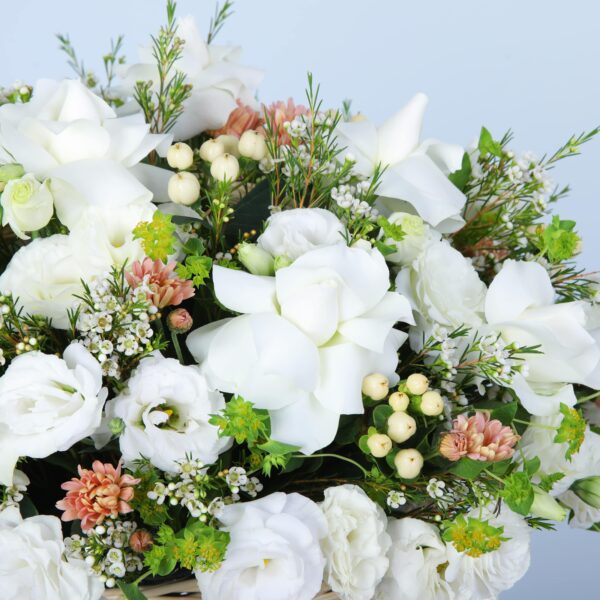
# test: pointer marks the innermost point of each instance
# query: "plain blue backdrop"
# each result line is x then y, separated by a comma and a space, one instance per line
529, 66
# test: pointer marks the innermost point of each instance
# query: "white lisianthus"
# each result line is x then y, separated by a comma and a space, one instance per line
520, 304
217, 79
47, 404
292, 233
45, 275
165, 410
356, 543
443, 287
273, 553
416, 174
417, 235
486, 576
416, 560
584, 515
308, 338
32, 563
27, 205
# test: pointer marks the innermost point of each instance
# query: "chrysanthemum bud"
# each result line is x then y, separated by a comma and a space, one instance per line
184, 188
545, 506
408, 462
179, 320
588, 490
432, 404
255, 259
11, 171
417, 384
401, 426
140, 541
180, 156
225, 167
376, 386
211, 149
379, 444
230, 143
399, 401
252, 145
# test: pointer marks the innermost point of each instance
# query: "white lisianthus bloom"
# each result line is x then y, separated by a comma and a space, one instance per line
47, 404
45, 275
486, 576
416, 174
356, 543
273, 553
520, 304
217, 79
165, 410
32, 563
416, 560
292, 233
27, 205
584, 515
417, 236
443, 287
307, 339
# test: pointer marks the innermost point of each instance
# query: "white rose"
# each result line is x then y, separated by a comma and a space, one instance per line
356, 543
292, 233
308, 338
417, 235
32, 563
165, 410
520, 304
273, 552
217, 79
47, 404
45, 275
27, 205
443, 287
416, 561
483, 578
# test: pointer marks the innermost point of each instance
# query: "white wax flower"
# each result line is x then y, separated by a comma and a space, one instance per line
416, 174
306, 340
356, 543
273, 552
165, 410
32, 563
47, 404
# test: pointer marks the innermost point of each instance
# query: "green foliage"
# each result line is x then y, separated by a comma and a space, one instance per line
381, 414
157, 236
559, 240
222, 13
487, 144
518, 492
131, 591
240, 420
151, 512
461, 177
196, 268
547, 481
505, 413
571, 430
467, 468
391, 230
473, 536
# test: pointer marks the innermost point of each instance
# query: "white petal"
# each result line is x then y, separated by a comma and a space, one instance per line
359, 139
155, 179
447, 157
542, 404
243, 292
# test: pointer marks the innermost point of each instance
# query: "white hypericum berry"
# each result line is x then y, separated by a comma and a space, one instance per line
401, 426
211, 149
399, 401
432, 404
180, 156
230, 143
379, 445
225, 167
252, 145
184, 188
408, 463
417, 384
376, 386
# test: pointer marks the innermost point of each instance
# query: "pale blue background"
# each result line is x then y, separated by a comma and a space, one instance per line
527, 65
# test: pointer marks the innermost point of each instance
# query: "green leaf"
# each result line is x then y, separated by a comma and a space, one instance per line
571, 430
362, 444
461, 177
27, 507
250, 213
467, 468
532, 466
194, 247
518, 493
385, 249
505, 413
278, 448
391, 230
196, 268
381, 414
547, 481
131, 591
487, 144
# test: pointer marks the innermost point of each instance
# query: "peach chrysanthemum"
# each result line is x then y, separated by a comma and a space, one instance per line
163, 286
479, 439
99, 492
241, 119
279, 113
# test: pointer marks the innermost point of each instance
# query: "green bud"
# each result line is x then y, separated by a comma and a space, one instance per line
588, 490
116, 426
545, 506
282, 261
11, 171
255, 259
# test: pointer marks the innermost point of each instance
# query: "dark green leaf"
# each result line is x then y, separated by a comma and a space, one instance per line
251, 212
468, 468
461, 177
505, 413
362, 444
487, 144
532, 466
131, 591
278, 448
381, 414
385, 249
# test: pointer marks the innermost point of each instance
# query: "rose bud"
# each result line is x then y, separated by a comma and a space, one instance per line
252, 145
179, 321
376, 386
180, 156
379, 445
401, 426
417, 384
408, 463
225, 167
184, 188
546, 507
399, 401
211, 149
140, 541
255, 259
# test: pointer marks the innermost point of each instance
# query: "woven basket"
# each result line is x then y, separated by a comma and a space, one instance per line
187, 589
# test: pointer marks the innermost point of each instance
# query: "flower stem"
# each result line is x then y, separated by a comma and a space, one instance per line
177, 347
344, 458
590, 397
530, 424
493, 476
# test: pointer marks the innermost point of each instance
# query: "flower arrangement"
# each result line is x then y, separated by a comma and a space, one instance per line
275, 349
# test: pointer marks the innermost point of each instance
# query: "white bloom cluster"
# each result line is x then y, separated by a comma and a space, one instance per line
395, 499
350, 197
13, 494
14, 92
237, 479
436, 488
106, 551
526, 169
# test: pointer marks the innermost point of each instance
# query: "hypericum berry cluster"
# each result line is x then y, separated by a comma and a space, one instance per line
115, 322
12, 495
106, 550
350, 197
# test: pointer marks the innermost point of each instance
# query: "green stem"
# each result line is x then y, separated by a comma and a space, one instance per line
344, 458
177, 347
530, 424
141, 577
493, 476
590, 397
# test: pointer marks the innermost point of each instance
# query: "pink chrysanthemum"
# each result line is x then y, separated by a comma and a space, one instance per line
99, 492
478, 438
164, 287
241, 119
281, 112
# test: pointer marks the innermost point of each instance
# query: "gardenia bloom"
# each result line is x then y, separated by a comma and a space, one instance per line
100, 492
27, 205
32, 563
292, 233
165, 410
306, 340
416, 563
417, 236
47, 404
273, 553
520, 304
416, 174
356, 543
218, 80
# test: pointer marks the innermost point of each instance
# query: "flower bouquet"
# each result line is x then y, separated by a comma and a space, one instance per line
270, 351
